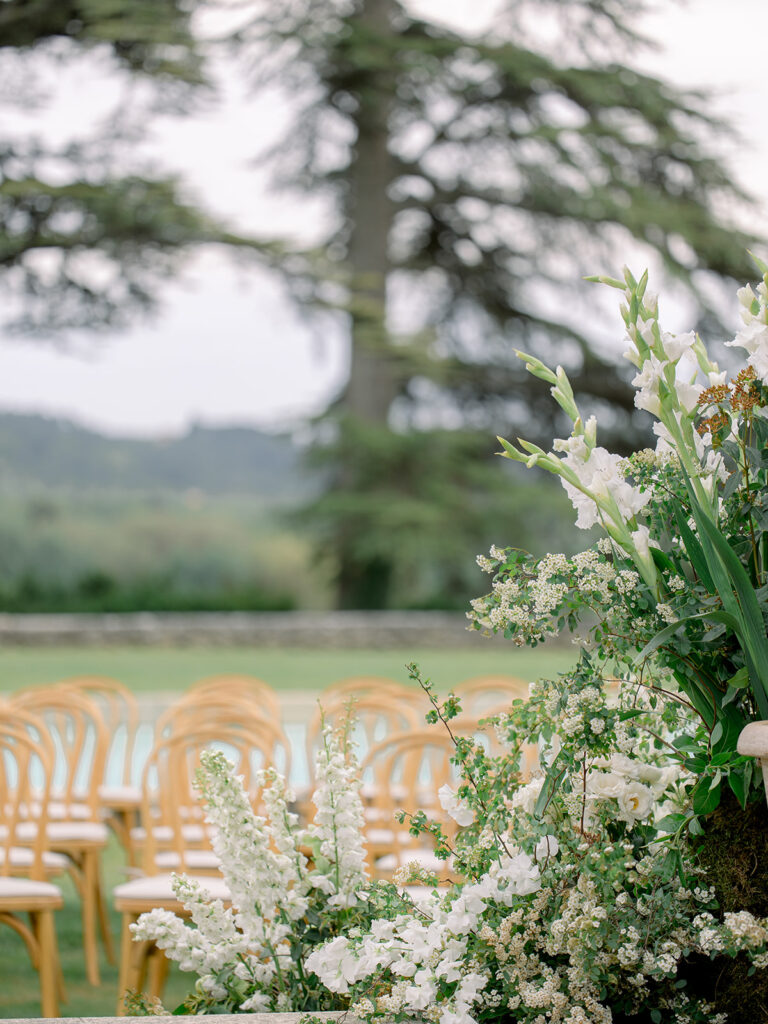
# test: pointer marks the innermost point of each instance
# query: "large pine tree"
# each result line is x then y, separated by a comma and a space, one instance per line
474, 180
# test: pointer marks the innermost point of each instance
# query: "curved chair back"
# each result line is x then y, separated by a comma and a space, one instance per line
236, 713
26, 767
80, 742
368, 719
170, 801
233, 685
487, 695
119, 711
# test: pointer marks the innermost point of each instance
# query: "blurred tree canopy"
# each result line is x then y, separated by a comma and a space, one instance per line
86, 236
472, 181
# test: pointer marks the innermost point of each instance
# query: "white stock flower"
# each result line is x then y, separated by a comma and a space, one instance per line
338, 824
455, 807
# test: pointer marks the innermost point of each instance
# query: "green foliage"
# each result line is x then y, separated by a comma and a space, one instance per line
150, 37
39, 455
530, 160
406, 514
163, 552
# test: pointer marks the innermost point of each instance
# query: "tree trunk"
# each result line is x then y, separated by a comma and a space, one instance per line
374, 381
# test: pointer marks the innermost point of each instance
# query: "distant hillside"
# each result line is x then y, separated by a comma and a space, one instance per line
214, 460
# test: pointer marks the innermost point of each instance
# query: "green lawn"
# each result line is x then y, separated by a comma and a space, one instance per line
150, 669
19, 994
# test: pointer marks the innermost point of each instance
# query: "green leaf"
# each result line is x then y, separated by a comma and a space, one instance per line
739, 679
705, 798
693, 549
551, 784
737, 782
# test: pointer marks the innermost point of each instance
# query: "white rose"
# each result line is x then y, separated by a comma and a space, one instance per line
635, 802
605, 785
525, 798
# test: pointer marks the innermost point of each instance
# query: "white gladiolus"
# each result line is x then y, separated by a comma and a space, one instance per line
754, 338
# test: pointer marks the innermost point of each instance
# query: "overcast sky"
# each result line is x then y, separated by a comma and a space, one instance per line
226, 346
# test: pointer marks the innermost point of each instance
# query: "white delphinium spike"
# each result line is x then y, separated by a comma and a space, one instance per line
242, 842
289, 861
338, 823
180, 942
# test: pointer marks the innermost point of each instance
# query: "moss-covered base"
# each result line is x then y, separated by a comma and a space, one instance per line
734, 853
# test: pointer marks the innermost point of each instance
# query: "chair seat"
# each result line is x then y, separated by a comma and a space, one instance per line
67, 832
58, 811
194, 860
24, 857
120, 796
164, 834
424, 858
28, 894
387, 837
156, 891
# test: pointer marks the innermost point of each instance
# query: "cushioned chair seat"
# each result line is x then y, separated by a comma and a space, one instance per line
24, 857
120, 796
194, 860
26, 889
164, 834
66, 832
424, 858
160, 888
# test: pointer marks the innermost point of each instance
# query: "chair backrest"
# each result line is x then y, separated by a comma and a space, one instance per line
233, 685
172, 810
359, 686
233, 712
370, 717
26, 767
80, 740
486, 695
119, 712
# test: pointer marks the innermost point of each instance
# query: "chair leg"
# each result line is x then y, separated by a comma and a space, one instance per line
158, 973
90, 912
48, 957
132, 959
106, 931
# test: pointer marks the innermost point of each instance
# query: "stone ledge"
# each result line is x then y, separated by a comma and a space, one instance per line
352, 629
214, 1018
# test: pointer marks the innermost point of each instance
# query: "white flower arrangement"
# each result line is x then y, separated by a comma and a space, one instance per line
578, 897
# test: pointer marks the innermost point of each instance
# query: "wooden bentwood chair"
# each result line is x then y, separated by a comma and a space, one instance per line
26, 766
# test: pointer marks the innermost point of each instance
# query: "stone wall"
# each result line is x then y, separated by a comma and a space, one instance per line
347, 630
